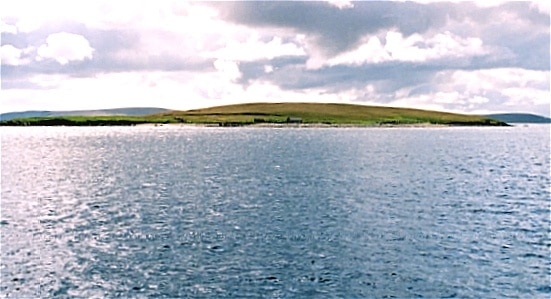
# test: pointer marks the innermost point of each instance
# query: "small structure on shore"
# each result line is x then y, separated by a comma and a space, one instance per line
294, 120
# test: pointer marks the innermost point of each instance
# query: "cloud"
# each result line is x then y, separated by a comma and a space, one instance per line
456, 56
542, 6
268, 69
65, 47
332, 31
482, 90
11, 55
229, 69
254, 49
414, 48
341, 4
6, 28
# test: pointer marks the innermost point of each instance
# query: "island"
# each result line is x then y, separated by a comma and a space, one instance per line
520, 118
271, 114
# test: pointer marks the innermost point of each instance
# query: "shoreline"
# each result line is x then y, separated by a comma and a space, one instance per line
272, 125
310, 125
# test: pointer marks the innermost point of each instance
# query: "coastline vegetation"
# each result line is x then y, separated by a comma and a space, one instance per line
273, 113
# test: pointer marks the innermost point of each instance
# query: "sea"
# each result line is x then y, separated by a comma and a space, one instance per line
206, 212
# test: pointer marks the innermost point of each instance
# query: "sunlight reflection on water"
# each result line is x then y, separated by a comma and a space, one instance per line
209, 212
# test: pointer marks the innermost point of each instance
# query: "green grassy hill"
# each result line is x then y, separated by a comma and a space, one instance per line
247, 114
131, 111
326, 113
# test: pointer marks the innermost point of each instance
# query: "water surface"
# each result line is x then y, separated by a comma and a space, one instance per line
268, 212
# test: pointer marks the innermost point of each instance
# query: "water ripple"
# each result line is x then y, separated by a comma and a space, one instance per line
208, 212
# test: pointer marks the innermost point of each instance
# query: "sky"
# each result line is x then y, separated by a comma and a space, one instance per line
467, 57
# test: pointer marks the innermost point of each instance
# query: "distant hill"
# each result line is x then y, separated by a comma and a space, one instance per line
520, 118
254, 114
326, 113
141, 111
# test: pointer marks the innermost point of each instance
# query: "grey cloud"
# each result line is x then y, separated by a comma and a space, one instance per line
524, 11
335, 31
521, 49
328, 29
341, 77
106, 57
388, 76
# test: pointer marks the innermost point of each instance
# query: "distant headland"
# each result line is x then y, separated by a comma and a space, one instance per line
261, 114
519, 118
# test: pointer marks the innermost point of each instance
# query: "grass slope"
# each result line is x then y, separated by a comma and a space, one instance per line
327, 113
133, 111
244, 114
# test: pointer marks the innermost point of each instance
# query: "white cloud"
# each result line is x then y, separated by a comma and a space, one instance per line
414, 48
178, 30
420, 102
108, 90
254, 49
268, 69
454, 91
447, 101
65, 47
180, 90
543, 6
370, 52
473, 91
11, 55
479, 81
521, 96
7, 28
228, 69
486, 3
29, 15
478, 100
341, 4
447, 97
180, 34
442, 45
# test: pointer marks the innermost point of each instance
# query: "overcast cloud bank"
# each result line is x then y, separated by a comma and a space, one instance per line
452, 56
